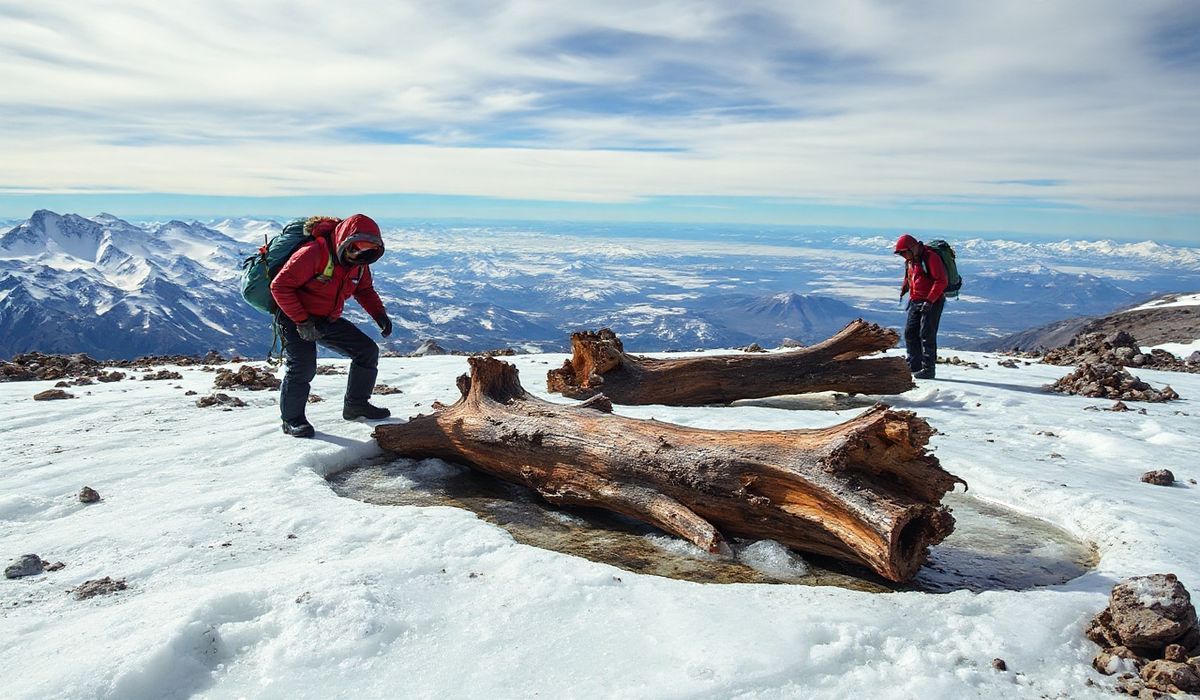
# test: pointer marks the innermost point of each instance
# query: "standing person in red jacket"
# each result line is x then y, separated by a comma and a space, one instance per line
925, 282
310, 289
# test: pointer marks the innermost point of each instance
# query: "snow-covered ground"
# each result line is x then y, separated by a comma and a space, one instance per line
377, 601
1179, 349
1181, 300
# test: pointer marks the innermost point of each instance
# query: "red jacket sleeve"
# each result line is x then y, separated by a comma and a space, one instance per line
305, 264
937, 271
367, 297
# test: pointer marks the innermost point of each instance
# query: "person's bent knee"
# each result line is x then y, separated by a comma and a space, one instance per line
369, 355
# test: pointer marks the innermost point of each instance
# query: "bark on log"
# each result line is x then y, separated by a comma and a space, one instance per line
865, 491
599, 363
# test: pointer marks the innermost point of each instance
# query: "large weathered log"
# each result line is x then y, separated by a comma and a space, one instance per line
599, 363
865, 491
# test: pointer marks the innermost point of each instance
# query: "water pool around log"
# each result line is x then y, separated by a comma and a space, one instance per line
992, 548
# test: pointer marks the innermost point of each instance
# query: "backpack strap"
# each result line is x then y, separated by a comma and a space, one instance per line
326, 274
924, 260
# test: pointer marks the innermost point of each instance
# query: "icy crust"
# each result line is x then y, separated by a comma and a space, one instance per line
365, 601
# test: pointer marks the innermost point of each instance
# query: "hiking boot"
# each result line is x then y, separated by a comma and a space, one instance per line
300, 428
352, 411
926, 373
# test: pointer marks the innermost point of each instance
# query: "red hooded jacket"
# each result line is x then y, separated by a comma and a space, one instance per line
922, 286
299, 289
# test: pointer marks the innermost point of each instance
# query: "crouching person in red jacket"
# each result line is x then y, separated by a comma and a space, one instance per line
311, 289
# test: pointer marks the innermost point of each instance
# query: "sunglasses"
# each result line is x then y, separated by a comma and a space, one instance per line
368, 254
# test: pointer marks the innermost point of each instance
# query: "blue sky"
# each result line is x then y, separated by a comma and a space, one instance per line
1075, 117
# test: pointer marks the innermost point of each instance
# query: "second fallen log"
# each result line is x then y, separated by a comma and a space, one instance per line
599, 363
866, 490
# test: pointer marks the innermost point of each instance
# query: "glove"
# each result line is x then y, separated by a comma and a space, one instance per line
385, 325
308, 330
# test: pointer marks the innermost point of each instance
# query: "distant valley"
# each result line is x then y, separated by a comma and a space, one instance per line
115, 288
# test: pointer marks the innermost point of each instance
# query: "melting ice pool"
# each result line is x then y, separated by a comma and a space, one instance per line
992, 548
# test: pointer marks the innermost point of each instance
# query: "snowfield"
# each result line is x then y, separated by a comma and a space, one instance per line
1179, 300
401, 601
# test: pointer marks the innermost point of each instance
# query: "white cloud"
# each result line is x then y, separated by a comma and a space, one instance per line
861, 101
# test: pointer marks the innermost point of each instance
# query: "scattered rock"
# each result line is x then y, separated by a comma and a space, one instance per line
496, 352
26, 565
384, 390
1159, 477
329, 370
999, 665
189, 392
33, 366
752, 347
1175, 652
52, 395
160, 375
55, 566
88, 495
958, 361
219, 399
313, 398
247, 377
1108, 381
100, 586
1009, 363
1119, 407
1171, 677
212, 358
62, 385
791, 343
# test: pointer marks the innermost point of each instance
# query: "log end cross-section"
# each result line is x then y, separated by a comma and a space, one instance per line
866, 491
599, 363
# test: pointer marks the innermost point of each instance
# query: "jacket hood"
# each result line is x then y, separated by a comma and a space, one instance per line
359, 227
904, 242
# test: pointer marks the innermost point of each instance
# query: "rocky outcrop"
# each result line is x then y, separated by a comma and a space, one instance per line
1149, 628
34, 366
1107, 381
1119, 349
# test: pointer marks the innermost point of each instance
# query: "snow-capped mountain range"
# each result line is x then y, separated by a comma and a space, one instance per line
115, 288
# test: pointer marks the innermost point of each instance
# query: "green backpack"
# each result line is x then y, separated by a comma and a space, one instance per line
259, 269
946, 253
